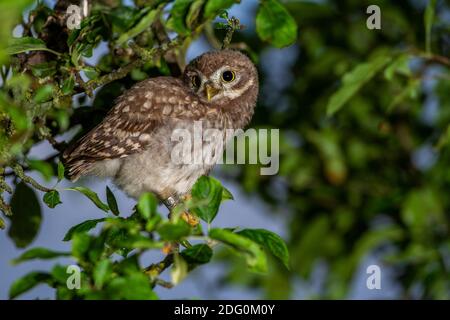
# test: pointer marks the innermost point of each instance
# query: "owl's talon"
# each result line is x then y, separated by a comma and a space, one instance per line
190, 219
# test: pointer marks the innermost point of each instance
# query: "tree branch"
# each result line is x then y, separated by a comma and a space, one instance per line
163, 283
155, 269
233, 24
18, 170
6, 208
145, 55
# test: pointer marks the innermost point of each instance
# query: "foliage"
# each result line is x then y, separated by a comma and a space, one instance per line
39, 82
358, 109
43, 71
364, 157
104, 277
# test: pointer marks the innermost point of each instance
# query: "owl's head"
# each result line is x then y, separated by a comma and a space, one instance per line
223, 78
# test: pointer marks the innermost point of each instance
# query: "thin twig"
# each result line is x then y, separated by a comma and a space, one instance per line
80, 81
156, 269
431, 57
44, 133
439, 59
25, 168
18, 170
5, 207
233, 24
4, 186
163, 283
145, 55
59, 146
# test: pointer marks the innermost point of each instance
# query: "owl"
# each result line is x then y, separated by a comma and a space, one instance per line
133, 144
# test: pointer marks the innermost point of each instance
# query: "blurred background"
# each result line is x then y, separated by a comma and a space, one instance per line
367, 185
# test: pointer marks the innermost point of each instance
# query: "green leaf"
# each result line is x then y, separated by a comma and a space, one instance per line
92, 196
59, 274
226, 194
28, 282
142, 25
44, 168
138, 75
102, 272
43, 94
152, 223
59, 280
275, 25
60, 171
254, 255
422, 210
206, 198
80, 245
373, 239
39, 253
444, 139
179, 270
197, 254
353, 81
73, 35
123, 18
76, 55
178, 14
26, 218
19, 45
52, 199
20, 82
147, 205
428, 20
45, 69
214, 7
135, 286
170, 231
194, 13
221, 26
399, 65
139, 242
91, 72
271, 241
82, 227
223, 14
112, 202
68, 85
409, 91
2, 224
62, 118
163, 67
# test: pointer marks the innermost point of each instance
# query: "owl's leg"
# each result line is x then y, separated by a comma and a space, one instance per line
171, 202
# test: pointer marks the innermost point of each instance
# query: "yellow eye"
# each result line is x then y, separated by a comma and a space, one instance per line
228, 76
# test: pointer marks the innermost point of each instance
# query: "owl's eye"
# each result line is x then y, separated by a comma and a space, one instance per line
228, 76
196, 81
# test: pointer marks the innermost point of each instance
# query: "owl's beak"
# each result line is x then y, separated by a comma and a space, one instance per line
210, 91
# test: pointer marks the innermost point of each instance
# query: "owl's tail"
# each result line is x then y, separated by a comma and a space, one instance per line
75, 165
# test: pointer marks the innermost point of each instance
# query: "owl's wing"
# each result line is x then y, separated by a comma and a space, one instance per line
128, 127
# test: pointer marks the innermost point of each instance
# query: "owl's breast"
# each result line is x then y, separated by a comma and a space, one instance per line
176, 156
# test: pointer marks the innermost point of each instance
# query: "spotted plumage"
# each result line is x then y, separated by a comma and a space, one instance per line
134, 144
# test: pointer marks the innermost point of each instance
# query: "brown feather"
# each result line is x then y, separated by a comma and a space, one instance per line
128, 126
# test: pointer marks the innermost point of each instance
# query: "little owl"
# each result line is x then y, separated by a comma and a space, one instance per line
133, 144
